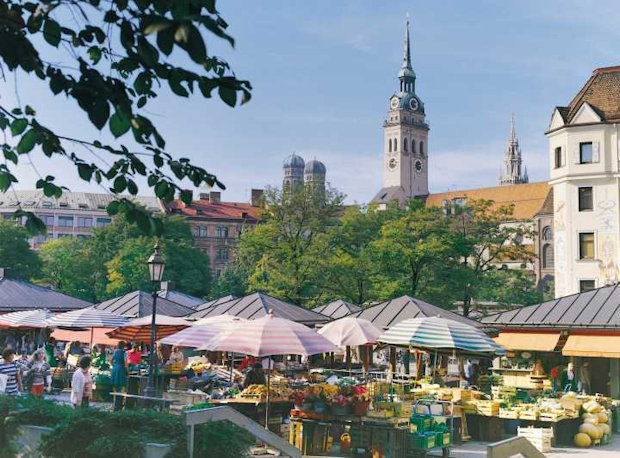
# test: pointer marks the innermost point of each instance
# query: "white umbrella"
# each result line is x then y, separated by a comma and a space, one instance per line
26, 319
89, 317
219, 319
350, 332
269, 336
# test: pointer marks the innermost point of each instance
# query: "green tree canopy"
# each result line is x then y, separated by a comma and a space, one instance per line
111, 59
15, 252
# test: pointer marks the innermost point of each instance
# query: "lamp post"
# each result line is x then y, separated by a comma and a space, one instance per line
156, 272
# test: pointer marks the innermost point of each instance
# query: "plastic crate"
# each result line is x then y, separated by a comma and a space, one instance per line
421, 423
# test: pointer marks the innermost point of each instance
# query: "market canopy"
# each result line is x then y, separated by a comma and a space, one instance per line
258, 305
179, 297
595, 346
139, 303
139, 329
17, 295
337, 309
436, 333
389, 313
87, 318
532, 341
26, 319
590, 310
270, 335
350, 332
201, 331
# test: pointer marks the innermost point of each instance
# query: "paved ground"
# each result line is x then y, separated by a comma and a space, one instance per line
478, 450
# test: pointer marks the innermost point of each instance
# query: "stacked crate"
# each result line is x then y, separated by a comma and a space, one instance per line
539, 437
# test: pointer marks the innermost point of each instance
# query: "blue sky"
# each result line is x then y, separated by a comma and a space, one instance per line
323, 71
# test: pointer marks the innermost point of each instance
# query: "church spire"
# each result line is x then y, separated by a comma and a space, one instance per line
511, 171
406, 74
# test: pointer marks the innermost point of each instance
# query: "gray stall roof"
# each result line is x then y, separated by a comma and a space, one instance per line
593, 309
257, 305
337, 309
138, 304
17, 295
181, 298
390, 312
218, 301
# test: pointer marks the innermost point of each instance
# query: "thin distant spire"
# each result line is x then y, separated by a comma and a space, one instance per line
407, 47
513, 135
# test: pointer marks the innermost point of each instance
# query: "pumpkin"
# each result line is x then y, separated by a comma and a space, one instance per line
570, 395
604, 427
590, 430
582, 440
602, 417
592, 419
592, 407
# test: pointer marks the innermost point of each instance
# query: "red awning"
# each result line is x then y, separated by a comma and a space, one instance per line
99, 336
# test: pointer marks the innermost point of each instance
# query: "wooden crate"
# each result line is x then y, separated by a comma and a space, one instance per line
551, 416
512, 414
487, 408
528, 415
539, 437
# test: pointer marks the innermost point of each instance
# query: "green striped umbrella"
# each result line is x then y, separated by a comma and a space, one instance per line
437, 333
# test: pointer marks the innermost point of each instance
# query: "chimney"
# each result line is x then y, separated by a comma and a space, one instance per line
204, 196
215, 197
167, 285
257, 195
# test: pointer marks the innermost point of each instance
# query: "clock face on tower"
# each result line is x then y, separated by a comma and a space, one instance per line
394, 103
413, 104
418, 166
393, 163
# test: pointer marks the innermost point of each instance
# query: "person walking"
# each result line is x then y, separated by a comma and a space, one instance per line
38, 375
118, 375
9, 368
82, 384
50, 352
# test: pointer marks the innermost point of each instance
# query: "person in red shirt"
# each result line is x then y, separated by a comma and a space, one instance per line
134, 357
247, 361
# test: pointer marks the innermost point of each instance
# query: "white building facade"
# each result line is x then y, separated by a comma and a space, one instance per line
585, 175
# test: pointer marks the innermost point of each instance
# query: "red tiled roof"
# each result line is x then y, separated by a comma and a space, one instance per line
222, 210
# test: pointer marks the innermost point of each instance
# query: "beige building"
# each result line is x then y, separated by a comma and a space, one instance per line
74, 214
584, 158
217, 224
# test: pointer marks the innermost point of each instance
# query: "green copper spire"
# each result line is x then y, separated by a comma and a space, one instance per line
406, 74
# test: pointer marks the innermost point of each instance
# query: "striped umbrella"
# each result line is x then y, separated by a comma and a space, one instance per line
139, 329
89, 317
440, 333
26, 319
201, 331
268, 336
350, 332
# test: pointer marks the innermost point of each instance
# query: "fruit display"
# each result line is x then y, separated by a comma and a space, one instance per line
595, 428
260, 392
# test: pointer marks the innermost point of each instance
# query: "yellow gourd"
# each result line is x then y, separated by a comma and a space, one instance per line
592, 419
605, 429
582, 440
602, 417
590, 430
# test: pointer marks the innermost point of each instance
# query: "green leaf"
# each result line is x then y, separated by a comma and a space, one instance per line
228, 95
29, 110
120, 183
156, 27
18, 126
4, 122
113, 207
99, 112
94, 52
142, 101
165, 40
85, 171
27, 142
132, 187
5, 181
147, 52
161, 189
119, 124
195, 46
175, 85
51, 32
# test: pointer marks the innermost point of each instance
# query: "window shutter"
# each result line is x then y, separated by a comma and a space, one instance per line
595, 154
576, 153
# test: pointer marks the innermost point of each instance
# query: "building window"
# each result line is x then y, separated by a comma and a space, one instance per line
84, 221
395, 145
586, 285
547, 233
405, 145
103, 222
218, 272
222, 232
421, 148
221, 254
200, 231
558, 157
390, 145
585, 153
547, 256
60, 236
586, 245
413, 146
47, 219
65, 221
585, 198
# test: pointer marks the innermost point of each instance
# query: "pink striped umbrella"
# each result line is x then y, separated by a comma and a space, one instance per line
269, 336
201, 332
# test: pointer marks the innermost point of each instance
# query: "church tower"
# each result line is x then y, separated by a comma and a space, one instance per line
405, 157
511, 171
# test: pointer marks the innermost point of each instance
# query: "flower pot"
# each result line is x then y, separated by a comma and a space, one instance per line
360, 408
341, 409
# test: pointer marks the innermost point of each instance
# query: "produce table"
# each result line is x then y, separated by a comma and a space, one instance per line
255, 409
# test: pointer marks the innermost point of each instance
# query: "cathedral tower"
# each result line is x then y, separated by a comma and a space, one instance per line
405, 157
511, 171
293, 173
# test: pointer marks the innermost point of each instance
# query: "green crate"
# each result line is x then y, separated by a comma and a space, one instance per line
422, 422
447, 438
430, 440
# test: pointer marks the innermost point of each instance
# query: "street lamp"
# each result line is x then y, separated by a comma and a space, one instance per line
156, 272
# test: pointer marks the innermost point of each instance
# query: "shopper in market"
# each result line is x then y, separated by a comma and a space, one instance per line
569, 378
118, 375
584, 378
82, 384
10, 369
176, 357
50, 352
134, 357
255, 376
38, 375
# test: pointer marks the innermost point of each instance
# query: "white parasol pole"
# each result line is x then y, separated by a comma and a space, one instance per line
267, 403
